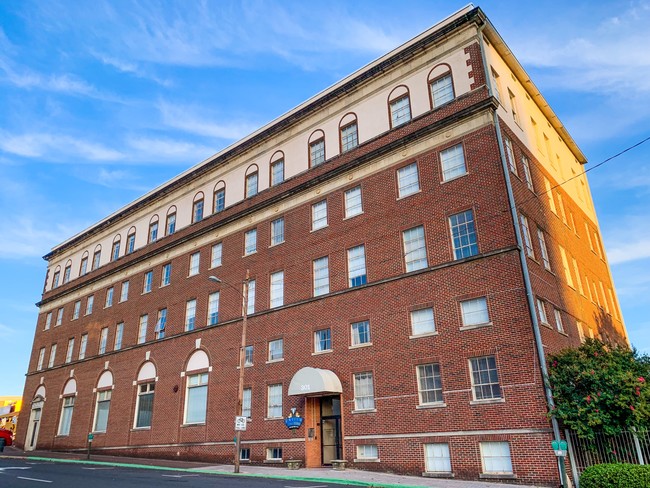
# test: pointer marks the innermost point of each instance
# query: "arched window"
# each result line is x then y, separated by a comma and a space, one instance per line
316, 148
103, 401
153, 229
349, 132
196, 388
146, 384
441, 85
130, 241
56, 277
66, 271
276, 170
219, 197
97, 256
83, 266
67, 406
251, 184
34, 424
399, 106
197, 207
115, 250
170, 223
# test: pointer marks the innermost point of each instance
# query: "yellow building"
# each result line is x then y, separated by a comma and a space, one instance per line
9, 410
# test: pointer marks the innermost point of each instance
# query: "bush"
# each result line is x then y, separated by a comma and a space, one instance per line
616, 476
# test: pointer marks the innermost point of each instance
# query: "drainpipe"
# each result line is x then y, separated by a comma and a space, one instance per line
530, 296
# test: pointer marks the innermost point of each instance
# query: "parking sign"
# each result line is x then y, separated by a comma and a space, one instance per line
240, 423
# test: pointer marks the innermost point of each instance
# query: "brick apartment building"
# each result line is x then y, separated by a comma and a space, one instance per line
415, 235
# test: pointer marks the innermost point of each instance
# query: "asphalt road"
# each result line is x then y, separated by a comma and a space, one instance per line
18, 473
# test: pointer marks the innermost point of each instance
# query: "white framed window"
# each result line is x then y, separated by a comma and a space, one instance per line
274, 407
219, 200
251, 185
144, 405
367, 452
323, 340
442, 90
248, 355
452, 161
277, 289
50, 363
97, 257
247, 403
130, 243
525, 231
317, 152
364, 391
75, 311
463, 235
153, 231
495, 84
48, 319
513, 107
190, 314
197, 211
82, 346
41, 359
437, 458
400, 111
171, 224
415, 251
161, 323
119, 332
525, 163
565, 266
321, 276
576, 270
474, 312
166, 274
543, 249
250, 242
558, 320
510, 155
102, 408
245, 454
276, 350
360, 333
549, 195
485, 379
422, 322
408, 180
250, 309
277, 231
90, 301
216, 255
353, 204
274, 454
541, 310
83, 267
59, 312
429, 384
148, 282
142, 328
213, 308
66, 415
495, 457
319, 215
277, 172
124, 292
357, 266
68, 353
109, 297
195, 263
66, 274
103, 339
349, 137
196, 398
55, 279
115, 251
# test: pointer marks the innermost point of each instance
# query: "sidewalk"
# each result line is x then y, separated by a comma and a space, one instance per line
351, 476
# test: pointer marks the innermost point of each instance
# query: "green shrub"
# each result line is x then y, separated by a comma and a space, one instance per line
616, 476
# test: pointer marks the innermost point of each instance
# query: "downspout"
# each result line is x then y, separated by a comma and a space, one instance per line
530, 297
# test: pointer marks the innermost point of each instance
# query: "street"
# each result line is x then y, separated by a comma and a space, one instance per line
20, 473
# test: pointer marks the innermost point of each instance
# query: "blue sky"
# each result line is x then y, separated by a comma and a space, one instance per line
101, 101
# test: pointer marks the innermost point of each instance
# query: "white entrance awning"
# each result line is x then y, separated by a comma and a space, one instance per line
314, 381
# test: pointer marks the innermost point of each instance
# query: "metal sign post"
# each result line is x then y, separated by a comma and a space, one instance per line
560, 449
90, 442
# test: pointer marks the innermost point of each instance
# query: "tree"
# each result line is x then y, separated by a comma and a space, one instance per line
600, 388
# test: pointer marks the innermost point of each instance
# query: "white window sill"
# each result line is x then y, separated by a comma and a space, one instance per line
357, 346
439, 474
476, 326
249, 365
273, 418
426, 406
487, 402
194, 424
276, 244
193, 274
270, 361
507, 476
273, 461
353, 216
318, 353
454, 178
409, 195
425, 334
322, 227
249, 254
163, 285
367, 410
368, 460
140, 429
214, 267
146, 292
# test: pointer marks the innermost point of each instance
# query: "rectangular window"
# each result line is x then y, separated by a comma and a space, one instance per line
130, 243
115, 251
415, 252
59, 313
558, 320
565, 265
364, 392
216, 255
197, 211
274, 454
103, 339
360, 333
408, 180
442, 90
82, 346
196, 398
250, 242
319, 215
171, 224
50, 363
97, 256
495, 457
109, 297
195, 261
144, 405
148, 280
437, 458
353, 204
560, 203
248, 356
83, 268
400, 111
219, 200
153, 232
422, 322
68, 353
89, 304
276, 350
48, 320
452, 161
277, 231
317, 152
124, 292
321, 276
119, 332
142, 328
496, 89
367, 451
527, 174
349, 137
357, 266
541, 310
463, 234
323, 340
76, 310
543, 249
161, 323
277, 289
485, 380
247, 403
101, 410
55, 279
251, 297
429, 384
251, 185
41, 359
528, 241
474, 312
245, 454
576, 270
66, 415
510, 156
513, 107
277, 172
66, 274
213, 308
549, 195
190, 314
274, 409
166, 274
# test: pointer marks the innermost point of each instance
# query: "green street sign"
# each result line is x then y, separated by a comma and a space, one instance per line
90, 437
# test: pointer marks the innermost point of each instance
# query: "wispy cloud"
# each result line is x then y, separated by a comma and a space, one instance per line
26, 237
633, 251
61, 83
54, 147
130, 68
154, 149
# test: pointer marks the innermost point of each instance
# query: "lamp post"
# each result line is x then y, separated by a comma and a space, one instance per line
242, 355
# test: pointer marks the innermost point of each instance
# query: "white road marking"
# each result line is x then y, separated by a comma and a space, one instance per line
110, 467
178, 475
33, 479
11, 467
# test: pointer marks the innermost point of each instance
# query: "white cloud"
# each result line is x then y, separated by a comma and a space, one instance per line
630, 251
7, 332
130, 68
54, 147
154, 149
61, 83
26, 237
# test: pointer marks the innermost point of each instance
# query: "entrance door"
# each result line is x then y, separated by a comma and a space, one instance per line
331, 445
34, 424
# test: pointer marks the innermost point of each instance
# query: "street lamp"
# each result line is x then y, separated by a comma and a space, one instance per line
242, 353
